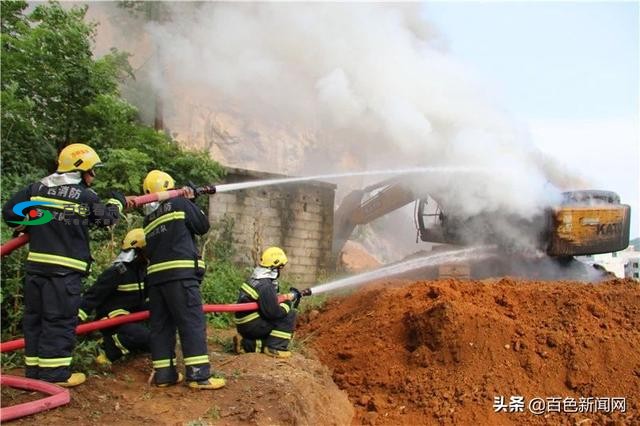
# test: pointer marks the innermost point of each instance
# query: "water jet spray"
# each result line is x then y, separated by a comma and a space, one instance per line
448, 257
19, 241
227, 187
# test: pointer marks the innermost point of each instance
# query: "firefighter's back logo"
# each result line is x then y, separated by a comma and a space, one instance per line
36, 216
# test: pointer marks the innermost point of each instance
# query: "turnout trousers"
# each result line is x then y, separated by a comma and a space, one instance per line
260, 333
51, 306
125, 339
178, 305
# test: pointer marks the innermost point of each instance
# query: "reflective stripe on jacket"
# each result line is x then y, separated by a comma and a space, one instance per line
265, 293
171, 247
61, 246
118, 290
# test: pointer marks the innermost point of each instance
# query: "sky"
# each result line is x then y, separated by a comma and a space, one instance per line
567, 71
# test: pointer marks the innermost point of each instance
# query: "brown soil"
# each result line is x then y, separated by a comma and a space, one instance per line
13, 396
406, 353
438, 352
260, 391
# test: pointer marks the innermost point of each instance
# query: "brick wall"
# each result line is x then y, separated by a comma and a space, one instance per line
296, 217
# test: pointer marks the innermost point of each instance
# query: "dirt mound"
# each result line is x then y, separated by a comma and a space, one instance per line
355, 258
260, 391
442, 351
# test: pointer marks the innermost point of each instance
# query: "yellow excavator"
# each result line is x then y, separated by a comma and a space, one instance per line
586, 222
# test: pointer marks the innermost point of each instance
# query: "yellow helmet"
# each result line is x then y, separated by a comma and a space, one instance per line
273, 257
134, 239
77, 157
157, 181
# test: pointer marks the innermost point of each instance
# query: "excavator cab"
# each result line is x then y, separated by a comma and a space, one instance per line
432, 223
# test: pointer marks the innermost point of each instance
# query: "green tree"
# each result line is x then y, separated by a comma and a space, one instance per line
54, 92
49, 77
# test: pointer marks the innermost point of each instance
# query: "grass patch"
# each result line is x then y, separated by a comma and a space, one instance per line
213, 413
84, 355
225, 343
312, 302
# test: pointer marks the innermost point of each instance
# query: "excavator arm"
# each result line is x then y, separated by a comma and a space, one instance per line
388, 195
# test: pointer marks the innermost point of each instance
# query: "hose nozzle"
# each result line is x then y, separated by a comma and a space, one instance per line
306, 292
207, 189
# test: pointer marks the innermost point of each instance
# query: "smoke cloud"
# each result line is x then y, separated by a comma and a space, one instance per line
304, 88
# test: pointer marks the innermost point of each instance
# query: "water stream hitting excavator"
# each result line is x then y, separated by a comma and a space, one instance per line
585, 222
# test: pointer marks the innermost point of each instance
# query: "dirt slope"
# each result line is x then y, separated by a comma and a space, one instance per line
260, 391
406, 353
439, 352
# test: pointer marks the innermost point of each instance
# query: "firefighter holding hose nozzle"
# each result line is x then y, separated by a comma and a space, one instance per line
173, 278
270, 329
120, 290
60, 208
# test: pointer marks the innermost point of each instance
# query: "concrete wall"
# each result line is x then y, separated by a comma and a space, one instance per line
296, 217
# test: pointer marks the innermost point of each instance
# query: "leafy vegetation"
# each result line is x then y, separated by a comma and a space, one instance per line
54, 92
223, 277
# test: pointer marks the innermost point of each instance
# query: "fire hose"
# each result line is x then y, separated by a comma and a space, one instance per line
13, 244
59, 396
23, 239
88, 327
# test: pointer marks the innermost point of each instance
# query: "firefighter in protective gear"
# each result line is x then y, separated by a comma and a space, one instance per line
270, 329
120, 290
173, 278
64, 207
157, 181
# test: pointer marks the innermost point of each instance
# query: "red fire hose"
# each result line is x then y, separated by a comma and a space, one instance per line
60, 396
13, 244
57, 396
23, 239
158, 196
88, 327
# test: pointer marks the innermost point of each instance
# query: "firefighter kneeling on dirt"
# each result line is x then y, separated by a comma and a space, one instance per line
120, 290
269, 330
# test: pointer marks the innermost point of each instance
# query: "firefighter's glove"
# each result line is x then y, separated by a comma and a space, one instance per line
20, 229
117, 195
194, 189
295, 296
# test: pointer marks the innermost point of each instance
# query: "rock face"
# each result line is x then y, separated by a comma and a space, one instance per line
440, 352
355, 258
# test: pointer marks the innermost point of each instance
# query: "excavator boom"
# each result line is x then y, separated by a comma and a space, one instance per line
392, 195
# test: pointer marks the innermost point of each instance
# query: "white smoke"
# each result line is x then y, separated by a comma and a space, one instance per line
305, 88
368, 78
